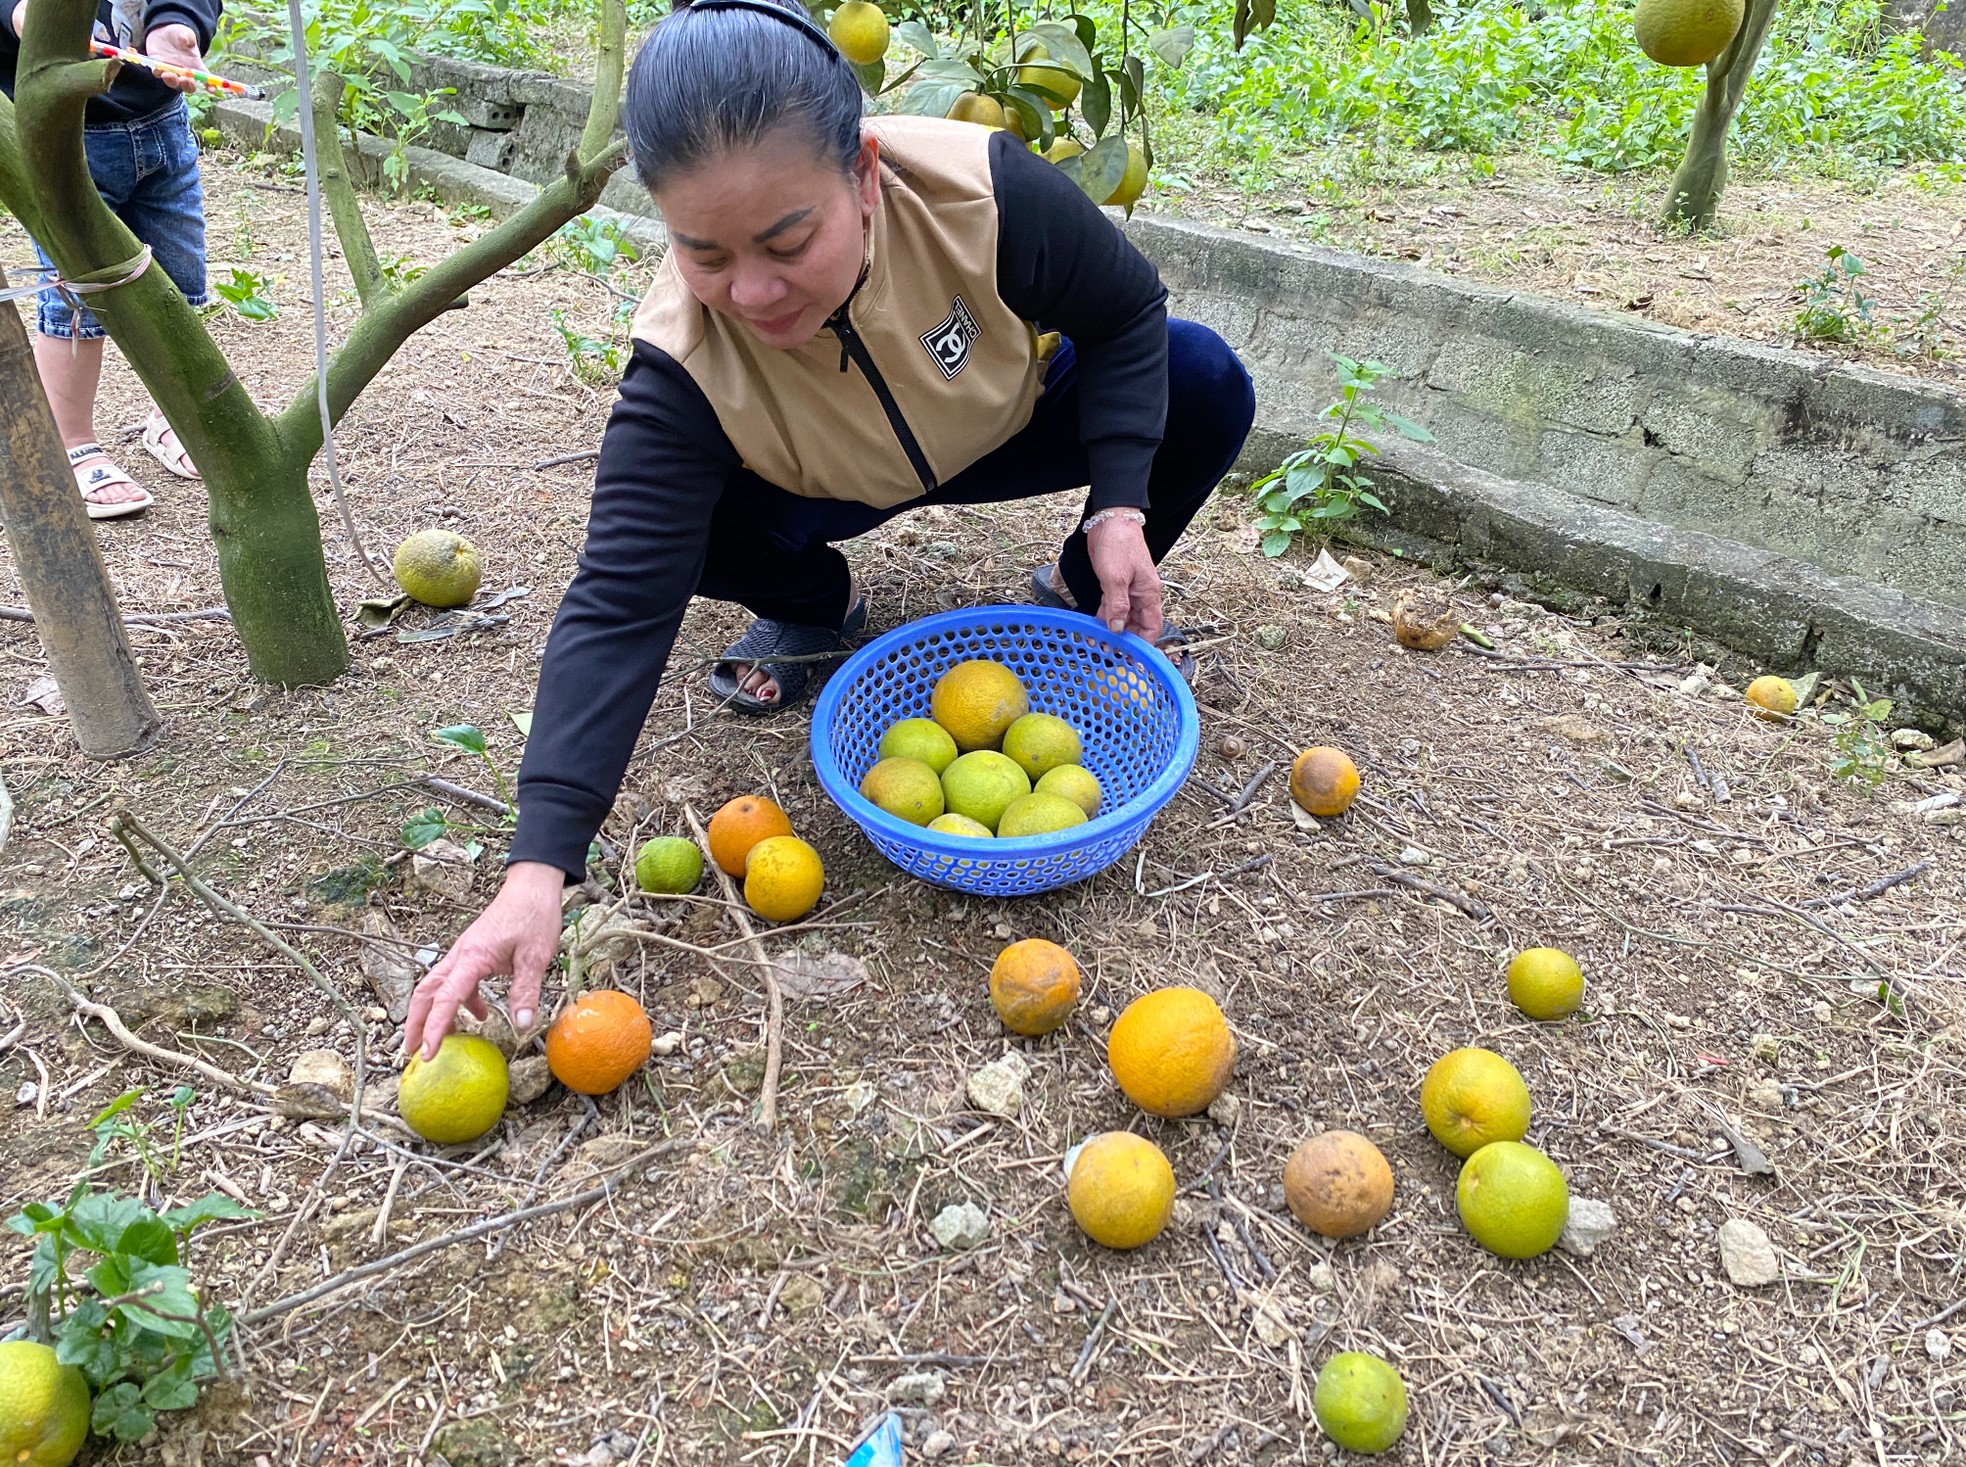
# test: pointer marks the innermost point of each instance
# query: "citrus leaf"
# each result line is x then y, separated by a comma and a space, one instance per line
931, 98
213, 1207
1062, 41
1096, 102
913, 34
1173, 44
150, 1239
1101, 168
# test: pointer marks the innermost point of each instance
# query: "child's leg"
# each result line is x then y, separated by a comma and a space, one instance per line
70, 370
166, 210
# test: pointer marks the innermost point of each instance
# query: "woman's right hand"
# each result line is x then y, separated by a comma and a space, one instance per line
517, 934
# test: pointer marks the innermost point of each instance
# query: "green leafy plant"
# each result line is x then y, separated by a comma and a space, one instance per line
593, 245
1834, 308
424, 827
412, 115
470, 738
595, 362
245, 292
133, 1321
118, 1122
1863, 750
1319, 485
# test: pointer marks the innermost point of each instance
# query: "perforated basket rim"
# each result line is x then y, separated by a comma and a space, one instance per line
1151, 662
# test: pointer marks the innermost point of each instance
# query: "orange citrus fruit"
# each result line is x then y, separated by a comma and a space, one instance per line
599, 1040
1772, 698
978, 701
1121, 1190
1171, 1051
1512, 1199
907, 789
1545, 983
457, 1096
1338, 1184
1360, 1402
783, 878
1324, 781
1034, 986
44, 1406
1472, 1097
741, 824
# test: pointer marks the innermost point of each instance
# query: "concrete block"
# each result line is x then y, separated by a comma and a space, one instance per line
489, 116
1608, 470
1718, 432
1931, 484
494, 150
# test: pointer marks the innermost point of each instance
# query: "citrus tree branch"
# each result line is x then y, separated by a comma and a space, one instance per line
604, 109
331, 163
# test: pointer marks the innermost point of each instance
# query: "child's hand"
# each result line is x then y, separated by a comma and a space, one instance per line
175, 45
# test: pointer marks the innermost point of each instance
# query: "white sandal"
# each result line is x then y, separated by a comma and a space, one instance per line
162, 444
103, 476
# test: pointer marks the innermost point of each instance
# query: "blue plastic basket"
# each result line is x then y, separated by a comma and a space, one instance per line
1132, 710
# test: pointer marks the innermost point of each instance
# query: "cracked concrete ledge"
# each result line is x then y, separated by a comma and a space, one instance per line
1810, 514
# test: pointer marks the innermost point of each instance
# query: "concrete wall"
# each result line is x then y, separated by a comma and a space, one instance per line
1850, 470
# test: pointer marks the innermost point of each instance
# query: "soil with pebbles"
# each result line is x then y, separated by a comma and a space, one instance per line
744, 1297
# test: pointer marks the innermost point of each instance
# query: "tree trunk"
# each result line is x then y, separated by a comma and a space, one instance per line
60, 566
1694, 198
268, 538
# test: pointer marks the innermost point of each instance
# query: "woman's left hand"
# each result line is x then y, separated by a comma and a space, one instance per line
1129, 585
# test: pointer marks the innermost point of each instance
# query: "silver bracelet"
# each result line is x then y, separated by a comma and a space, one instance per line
1132, 516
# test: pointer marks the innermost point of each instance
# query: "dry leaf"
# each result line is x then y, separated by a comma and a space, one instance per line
388, 967
44, 695
808, 978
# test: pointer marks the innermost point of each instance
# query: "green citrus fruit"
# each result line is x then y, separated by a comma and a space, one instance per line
1039, 815
1040, 743
1062, 148
456, 1097
1686, 32
44, 1407
977, 107
1075, 784
1360, 1402
1058, 87
961, 825
1472, 1097
438, 568
1545, 983
859, 29
920, 738
982, 784
668, 864
906, 788
1512, 1199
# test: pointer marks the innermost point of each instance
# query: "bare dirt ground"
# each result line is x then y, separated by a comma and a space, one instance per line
742, 1297
1593, 239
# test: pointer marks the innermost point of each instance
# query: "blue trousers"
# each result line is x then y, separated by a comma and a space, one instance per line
773, 552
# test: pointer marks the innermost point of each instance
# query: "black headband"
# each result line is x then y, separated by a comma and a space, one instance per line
777, 12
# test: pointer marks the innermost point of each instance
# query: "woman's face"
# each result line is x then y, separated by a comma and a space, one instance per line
774, 234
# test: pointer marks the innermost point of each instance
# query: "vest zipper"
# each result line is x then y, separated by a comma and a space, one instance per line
854, 349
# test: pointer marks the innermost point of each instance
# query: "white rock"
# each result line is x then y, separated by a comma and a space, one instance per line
325, 1068
937, 1444
666, 1044
1937, 1345
1414, 856
998, 1088
443, 868
1747, 1255
1321, 1278
924, 1388
1590, 1223
527, 1079
1224, 1109
960, 1225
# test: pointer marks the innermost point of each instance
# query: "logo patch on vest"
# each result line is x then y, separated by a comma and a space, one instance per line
949, 343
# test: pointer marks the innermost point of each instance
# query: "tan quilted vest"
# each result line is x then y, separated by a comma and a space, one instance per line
961, 367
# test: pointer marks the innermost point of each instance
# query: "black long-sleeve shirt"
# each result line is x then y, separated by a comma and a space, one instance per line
665, 459
135, 93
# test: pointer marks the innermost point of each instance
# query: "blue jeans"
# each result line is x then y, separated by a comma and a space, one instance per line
147, 172
770, 551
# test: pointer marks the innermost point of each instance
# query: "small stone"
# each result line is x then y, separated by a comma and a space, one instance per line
1766, 1048
25, 1096
317, 1026
1271, 1327
443, 869
924, 1388
666, 1044
1414, 856
1938, 1345
1695, 684
603, 937
1270, 637
1321, 1278
801, 1295
937, 1444
704, 992
1686, 800
1590, 1223
1361, 570
527, 1078
1747, 1255
494, 1027
325, 1068
1822, 1013
1766, 1097
859, 1096
1224, 1109
998, 1088
960, 1225
1913, 741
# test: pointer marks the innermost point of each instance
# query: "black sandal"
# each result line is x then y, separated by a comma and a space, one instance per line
1042, 594
767, 639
